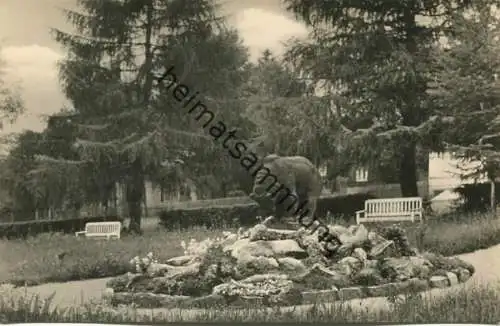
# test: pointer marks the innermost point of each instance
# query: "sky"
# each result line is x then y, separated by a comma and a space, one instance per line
30, 54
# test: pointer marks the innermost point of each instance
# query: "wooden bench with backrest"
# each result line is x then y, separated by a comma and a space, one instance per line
108, 230
391, 209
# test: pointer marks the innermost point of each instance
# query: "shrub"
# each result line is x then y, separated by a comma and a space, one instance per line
342, 206
30, 228
245, 214
210, 217
476, 197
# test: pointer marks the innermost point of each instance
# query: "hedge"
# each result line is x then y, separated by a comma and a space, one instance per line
210, 217
342, 206
245, 214
30, 228
476, 196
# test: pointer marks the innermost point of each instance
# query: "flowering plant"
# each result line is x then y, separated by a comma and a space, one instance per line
200, 248
142, 264
262, 288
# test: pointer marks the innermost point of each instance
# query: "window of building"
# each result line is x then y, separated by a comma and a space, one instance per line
323, 170
361, 175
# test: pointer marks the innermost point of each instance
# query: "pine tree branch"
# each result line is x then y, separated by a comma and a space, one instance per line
93, 127
57, 161
72, 40
377, 128
488, 137
171, 130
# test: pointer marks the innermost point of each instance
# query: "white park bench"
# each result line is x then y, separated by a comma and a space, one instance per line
106, 230
391, 209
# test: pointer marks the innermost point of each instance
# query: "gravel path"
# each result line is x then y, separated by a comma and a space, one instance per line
486, 262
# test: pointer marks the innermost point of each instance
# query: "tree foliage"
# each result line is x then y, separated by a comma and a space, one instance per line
37, 185
11, 106
11, 102
289, 119
467, 85
376, 57
129, 126
18, 163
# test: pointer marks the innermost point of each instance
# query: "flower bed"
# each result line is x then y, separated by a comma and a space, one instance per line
275, 267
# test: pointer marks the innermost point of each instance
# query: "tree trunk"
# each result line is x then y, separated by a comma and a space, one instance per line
492, 196
408, 171
135, 195
135, 212
135, 188
145, 201
411, 112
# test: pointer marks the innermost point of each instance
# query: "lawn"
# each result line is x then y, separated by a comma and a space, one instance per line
59, 258
460, 235
38, 260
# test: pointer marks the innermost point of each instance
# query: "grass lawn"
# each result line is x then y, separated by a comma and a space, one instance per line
36, 261
459, 236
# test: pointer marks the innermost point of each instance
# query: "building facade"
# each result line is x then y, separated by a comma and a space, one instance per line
446, 170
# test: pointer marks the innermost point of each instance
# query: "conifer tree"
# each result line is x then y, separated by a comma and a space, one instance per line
289, 119
378, 57
467, 85
129, 126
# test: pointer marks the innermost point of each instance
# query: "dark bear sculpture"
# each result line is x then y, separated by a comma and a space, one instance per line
291, 184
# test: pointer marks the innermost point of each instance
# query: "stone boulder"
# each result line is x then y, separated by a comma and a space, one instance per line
338, 229
361, 255
292, 266
232, 238
288, 248
248, 265
262, 232
355, 236
383, 250
247, 247
349, 265
181, 260
170, 271
375, 239
320, 277
273, 248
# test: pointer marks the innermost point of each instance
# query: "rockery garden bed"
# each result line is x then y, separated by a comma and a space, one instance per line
275, 267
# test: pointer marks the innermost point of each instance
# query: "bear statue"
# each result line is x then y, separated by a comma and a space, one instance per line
290, 185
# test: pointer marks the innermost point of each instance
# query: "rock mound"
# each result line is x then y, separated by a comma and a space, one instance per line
270, 266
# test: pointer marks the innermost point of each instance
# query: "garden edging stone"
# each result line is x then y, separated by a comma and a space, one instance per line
308, 297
